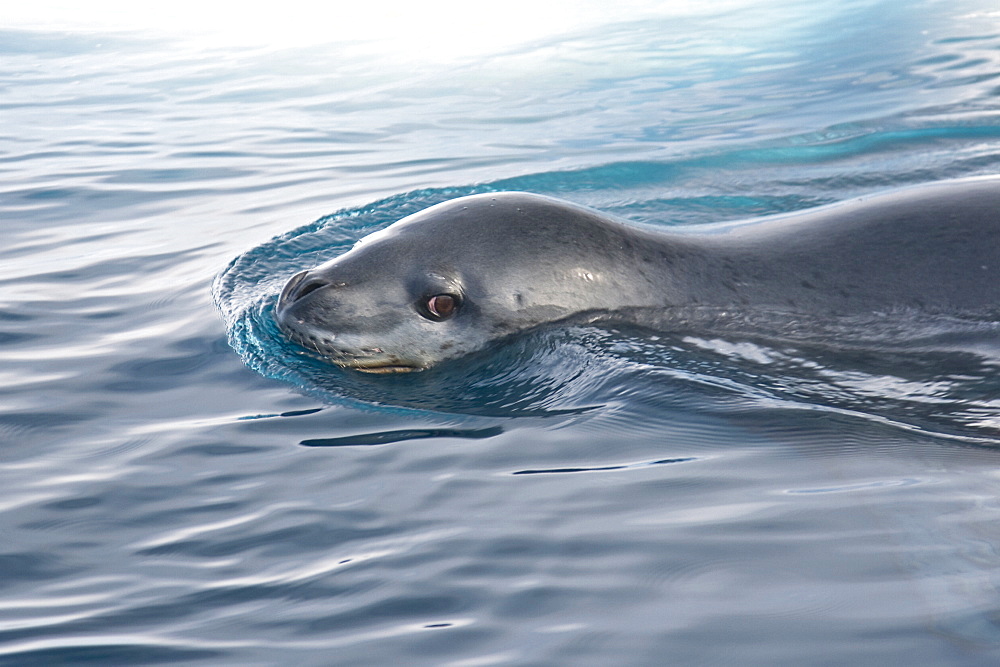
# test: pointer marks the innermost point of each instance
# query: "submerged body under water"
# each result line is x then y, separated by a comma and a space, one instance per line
573, 495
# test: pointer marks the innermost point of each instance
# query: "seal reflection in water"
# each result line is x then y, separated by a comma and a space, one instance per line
451, 279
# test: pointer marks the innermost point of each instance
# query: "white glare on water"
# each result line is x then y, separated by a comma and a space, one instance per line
431, 30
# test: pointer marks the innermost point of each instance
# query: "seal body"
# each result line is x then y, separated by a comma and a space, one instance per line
451, 279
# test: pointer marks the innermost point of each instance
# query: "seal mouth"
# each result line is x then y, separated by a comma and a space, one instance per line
380, 369
375, 363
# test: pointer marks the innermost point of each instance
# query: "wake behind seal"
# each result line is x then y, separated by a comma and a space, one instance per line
460, 275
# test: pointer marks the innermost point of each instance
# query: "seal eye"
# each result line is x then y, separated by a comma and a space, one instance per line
440, 307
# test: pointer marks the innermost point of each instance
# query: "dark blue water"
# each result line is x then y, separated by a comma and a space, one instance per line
180, 486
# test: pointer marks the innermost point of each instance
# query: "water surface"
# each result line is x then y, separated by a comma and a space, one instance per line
182, 486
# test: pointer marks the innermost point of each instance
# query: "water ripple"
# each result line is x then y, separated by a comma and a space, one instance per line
575, 496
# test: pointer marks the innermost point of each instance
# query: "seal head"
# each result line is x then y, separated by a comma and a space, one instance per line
450, 279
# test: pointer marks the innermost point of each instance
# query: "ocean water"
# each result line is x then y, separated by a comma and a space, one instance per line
181, 486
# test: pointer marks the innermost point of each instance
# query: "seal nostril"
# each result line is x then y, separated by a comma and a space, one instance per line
309, 288
298, 286
289, 288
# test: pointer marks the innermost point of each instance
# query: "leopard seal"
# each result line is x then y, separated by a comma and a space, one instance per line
453, 278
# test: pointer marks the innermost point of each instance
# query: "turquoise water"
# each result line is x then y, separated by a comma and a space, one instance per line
181, 486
